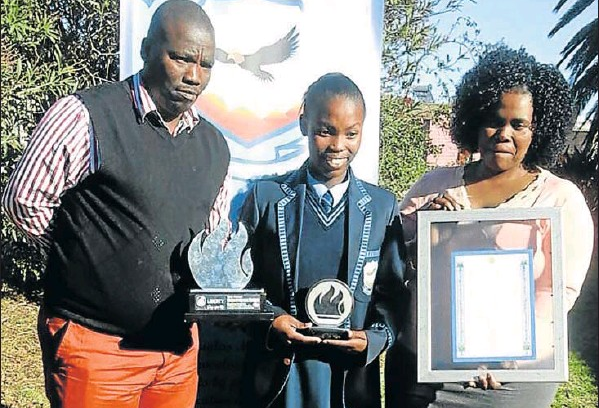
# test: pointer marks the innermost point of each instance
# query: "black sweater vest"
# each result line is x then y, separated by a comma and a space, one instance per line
120, 236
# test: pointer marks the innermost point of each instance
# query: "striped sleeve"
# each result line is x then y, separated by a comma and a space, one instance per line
56, 158
220, 208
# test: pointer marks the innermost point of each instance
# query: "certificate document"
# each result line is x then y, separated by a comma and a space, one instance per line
493, 301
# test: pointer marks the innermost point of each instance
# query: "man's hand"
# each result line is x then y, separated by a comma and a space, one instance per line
286, 327
355, 344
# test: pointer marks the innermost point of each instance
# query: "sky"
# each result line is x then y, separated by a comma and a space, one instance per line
519, 23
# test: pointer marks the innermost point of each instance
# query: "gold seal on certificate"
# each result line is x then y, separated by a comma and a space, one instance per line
329, 303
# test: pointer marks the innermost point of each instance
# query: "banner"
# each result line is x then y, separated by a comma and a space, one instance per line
268, 53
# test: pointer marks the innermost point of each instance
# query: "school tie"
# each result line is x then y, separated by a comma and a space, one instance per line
326, 201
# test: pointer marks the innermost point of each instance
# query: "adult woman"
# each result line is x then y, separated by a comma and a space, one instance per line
514, 111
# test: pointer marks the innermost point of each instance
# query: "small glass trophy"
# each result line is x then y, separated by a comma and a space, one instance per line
222, 267
329, 303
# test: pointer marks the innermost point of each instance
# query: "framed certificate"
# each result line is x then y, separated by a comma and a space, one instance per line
509, 335
490, 295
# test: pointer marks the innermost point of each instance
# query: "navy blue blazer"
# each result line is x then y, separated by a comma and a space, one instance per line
273, 213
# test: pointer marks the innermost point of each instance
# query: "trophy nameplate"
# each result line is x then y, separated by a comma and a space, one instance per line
329, 303
222, 267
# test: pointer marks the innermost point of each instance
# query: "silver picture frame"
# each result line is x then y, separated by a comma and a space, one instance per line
445, 304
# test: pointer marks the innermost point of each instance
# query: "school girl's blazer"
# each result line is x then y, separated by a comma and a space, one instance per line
273, 213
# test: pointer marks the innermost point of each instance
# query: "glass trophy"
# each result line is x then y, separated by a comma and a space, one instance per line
222, 267
329, 303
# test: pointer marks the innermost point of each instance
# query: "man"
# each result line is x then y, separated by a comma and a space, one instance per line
115, 183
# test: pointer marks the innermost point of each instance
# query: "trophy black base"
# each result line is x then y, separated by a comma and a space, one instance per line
228, 305
325, 333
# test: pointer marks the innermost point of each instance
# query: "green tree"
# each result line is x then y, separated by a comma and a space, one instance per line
581, 56
413, 44
404, 139
50, 48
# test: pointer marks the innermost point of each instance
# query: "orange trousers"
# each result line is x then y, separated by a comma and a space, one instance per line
87, 369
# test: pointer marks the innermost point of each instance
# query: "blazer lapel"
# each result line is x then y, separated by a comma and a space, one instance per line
360, 221
290, 210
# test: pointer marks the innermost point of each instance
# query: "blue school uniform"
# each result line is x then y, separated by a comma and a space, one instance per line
296, 242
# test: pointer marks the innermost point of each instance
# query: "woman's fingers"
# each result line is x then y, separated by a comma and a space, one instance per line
482, 381
485, 381
448, 203
492, 382
443, 201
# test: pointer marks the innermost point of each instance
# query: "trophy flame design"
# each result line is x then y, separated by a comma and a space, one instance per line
330, 304
219, 260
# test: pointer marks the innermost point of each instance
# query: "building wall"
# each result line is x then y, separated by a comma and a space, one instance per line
446, 152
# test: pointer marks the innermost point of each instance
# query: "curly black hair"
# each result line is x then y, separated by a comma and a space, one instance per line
501, 69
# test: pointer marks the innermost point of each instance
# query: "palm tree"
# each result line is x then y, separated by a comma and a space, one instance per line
582, 52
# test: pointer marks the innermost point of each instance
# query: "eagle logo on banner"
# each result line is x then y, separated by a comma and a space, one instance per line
255, 94
267, 55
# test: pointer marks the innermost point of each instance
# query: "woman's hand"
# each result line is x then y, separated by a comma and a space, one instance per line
355, 344
485, 380
443, 201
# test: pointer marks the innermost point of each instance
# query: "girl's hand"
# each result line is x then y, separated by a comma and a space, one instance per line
355, 344
286, 327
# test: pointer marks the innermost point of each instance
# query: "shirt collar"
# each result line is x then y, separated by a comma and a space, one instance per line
144, 105
320, 189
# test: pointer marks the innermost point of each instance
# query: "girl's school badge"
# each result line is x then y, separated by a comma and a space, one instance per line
368, 275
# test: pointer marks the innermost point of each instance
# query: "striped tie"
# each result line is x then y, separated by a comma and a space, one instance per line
326, 202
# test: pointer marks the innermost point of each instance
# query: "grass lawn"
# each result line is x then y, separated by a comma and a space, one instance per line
23, 384
22, 376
